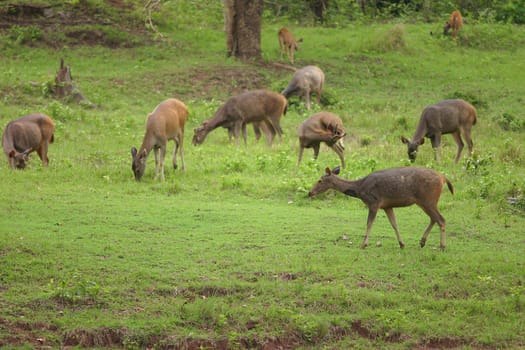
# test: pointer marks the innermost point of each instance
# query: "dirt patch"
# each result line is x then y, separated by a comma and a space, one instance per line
72, 25
22, 333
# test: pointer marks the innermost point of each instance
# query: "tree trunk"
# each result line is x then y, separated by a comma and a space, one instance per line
242, 24
65, 86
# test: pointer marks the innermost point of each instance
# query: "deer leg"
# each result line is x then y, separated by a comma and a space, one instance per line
392, 218
301, 150
237, 127
180, 145
162, 157
42, 153
435, 216
337, 149
307, 97
157, 161
316, 147
468, 138
459, 142
436, 142
372, 212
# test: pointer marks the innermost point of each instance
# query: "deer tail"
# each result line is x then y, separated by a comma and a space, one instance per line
449, 185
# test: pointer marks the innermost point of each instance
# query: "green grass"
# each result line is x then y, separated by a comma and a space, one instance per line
231, 251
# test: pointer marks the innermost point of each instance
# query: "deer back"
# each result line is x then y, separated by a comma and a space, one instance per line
309, 78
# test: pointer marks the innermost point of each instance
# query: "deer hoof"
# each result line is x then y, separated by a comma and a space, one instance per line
422, 243
364, 245
401, 245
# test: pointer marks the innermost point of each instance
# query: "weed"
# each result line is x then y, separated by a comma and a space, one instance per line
478, 165
75, 289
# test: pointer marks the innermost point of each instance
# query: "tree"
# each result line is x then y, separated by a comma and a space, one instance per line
242, 24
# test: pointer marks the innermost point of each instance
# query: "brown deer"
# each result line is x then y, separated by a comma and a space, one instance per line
33, 132
306, 81
288, 44
322, 127
445, 117
165, 123
392, 188
455, 22
258, 106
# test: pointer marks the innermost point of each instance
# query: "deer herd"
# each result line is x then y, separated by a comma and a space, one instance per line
263, 109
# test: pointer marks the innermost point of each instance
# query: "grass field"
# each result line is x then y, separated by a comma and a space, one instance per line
231, 253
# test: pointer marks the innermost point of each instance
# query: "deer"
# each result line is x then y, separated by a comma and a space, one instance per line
165, 123
322, 127
455, 22
392, 188
257, 106
32, 132
304, 83
446, 117
288, 44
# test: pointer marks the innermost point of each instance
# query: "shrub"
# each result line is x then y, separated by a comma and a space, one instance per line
510, 122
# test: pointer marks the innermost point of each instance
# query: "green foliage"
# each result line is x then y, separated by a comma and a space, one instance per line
510, 122
24, 35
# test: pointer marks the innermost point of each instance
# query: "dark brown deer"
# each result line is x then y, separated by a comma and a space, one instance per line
446, 117
322, 127
455, 22
33, 132
392, 188
165, 123
288, 44
259, 106
304, 83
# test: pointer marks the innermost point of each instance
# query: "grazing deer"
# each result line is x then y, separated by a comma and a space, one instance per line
258, 106
455, 22
165, 123
322, 127
392, 188
33, 132
445, 117
288, 44
306, 81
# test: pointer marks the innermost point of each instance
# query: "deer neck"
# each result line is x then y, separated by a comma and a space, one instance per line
350, 188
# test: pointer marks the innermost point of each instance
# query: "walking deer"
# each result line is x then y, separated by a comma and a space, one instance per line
445, 117
288, 44
455, 22
33, 132
165, 123
392, 188
258, 107
322, 127
306, 81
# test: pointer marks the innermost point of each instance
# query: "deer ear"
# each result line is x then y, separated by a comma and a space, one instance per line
328, 171
27, 151
12, 153
422, 141
404, 140
336, 170
143, 154
133, 152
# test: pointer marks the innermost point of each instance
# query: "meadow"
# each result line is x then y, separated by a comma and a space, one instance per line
231, 253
